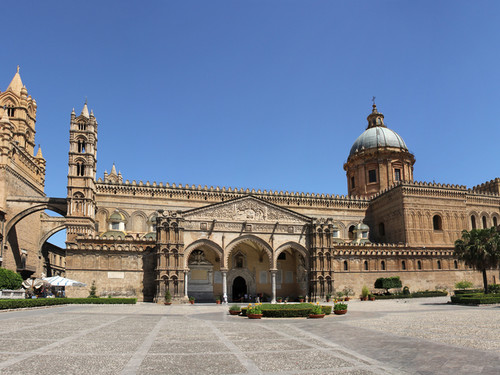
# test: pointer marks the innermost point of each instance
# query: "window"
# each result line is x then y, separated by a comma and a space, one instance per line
346, 267
381, 229
81, 146
353, 184
439, 264
115, 226
382, 265
484, 222
351, 232
82, 126
495, 222
335, 233
403, 265
372, 175
80, 169
455, 264
397, 175
419, 265
366, 265
11, 111
437, 222
473, 222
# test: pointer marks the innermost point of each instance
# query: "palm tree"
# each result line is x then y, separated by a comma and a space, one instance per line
479, 249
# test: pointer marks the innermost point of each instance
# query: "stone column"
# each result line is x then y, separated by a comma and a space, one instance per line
273, 286
224, 286
186, 284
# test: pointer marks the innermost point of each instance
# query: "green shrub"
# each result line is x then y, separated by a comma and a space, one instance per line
20, 303
234, 308
468, 291
476, 299
388, 282
9, 279
464, 284
421, 294
93, 290
406, 290
494, 288
340, 306
365, 292
288, 311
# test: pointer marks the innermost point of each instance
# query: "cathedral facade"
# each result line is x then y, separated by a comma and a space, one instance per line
135, 238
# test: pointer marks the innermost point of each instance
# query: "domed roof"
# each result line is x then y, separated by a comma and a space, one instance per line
117, 217
377, 135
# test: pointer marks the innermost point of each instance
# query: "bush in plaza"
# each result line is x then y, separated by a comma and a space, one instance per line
9, 279
476, 298
420, 294
288, 310
388, 283
20, 303
464, 284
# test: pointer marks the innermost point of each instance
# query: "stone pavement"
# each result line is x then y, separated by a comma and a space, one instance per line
424, 336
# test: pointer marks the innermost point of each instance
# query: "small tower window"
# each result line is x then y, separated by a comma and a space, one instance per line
437, 222
366, 265
80, 169
397, 174
439, 264
372, 175
403, 265
82, 126
473, 221
353, 184
346, 266
495, 221
419, 265
81, 146
11, 111
455, 264
351, 232
484, 222
382, 265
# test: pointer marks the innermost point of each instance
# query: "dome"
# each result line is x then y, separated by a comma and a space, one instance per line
117, 217
361, 226
377, 137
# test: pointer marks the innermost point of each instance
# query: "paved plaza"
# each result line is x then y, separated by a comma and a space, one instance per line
421, 336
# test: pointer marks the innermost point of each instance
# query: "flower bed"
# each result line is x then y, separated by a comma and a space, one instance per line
288, 310
20, 303
476, 299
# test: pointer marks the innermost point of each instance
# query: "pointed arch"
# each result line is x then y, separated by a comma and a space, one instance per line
200, 243
250, 238
295, 246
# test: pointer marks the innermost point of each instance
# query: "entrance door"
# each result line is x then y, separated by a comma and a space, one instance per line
239, 288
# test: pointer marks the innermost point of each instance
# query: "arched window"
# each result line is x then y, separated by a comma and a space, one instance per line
437, 222
473, 221
346, 266
403, 265
80, 169
366, 265
484, 222
81, 146
328, 261
455, 264
351, 232
495, 221
439, 264
382, 265
419, 265
381, 229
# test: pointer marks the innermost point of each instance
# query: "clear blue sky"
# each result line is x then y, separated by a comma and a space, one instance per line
260, 94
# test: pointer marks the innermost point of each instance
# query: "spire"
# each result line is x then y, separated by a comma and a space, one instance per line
85, 110
39, 153
16, 84
113, 170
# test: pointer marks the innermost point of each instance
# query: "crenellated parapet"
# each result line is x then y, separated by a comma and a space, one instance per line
492, 187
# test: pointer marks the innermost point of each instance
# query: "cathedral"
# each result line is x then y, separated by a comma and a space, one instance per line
140, 239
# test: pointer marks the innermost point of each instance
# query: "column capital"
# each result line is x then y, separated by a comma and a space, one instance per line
273, 270
224, 270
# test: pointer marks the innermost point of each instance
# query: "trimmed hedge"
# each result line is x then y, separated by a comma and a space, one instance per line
9, 279
20, 303
288, 310
422, 294
476, 299
388, 282
468, 291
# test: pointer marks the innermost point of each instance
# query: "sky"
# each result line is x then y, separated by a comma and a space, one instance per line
260, 94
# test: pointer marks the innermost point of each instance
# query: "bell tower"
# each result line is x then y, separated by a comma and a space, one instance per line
82, 164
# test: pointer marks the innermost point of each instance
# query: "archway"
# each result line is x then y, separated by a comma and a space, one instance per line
239, 290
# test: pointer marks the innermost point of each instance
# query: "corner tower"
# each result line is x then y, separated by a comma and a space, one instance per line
82, 163
378, 158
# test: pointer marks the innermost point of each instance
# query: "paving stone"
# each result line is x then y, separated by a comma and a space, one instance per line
191, 364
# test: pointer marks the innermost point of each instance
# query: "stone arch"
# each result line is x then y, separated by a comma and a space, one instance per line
295, 246
245, 274
203, 242
249, 238
101, 217
56, 205
48, 234
138, 222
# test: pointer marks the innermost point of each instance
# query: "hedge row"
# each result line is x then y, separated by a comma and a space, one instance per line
288, 311
422, 294
20, 303
476, 299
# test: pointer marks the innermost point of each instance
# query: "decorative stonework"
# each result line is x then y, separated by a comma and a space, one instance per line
247, 209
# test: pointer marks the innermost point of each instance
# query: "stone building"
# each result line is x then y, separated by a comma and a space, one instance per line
137, 238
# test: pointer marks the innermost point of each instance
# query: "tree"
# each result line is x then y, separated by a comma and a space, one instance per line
93, 291
479, 249
9, 279
388, 283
